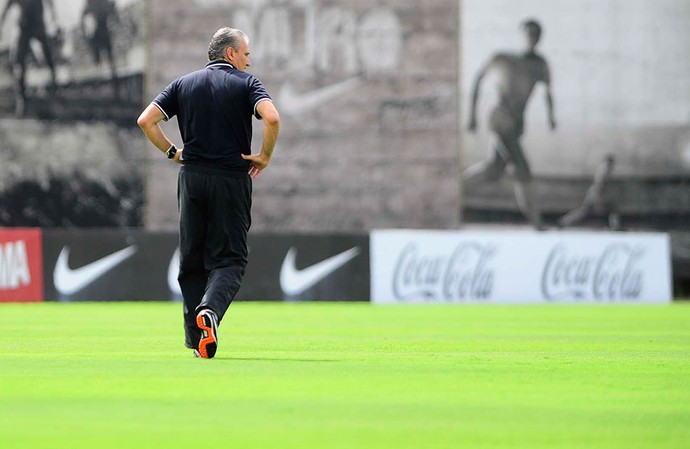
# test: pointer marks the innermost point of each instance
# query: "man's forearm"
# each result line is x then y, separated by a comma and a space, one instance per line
157, 137
149, 122
271, 119
271, 132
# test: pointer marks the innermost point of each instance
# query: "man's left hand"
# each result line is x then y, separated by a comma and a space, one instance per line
258, 164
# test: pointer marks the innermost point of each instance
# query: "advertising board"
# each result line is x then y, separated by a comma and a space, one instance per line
519, 267
125, 265
21, 269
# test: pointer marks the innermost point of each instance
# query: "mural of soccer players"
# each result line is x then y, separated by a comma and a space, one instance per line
96, 21
77, 60
598, 199
71, 81
616, 72
31, 27
518, 73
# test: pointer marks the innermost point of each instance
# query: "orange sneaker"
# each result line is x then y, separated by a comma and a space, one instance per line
208, 323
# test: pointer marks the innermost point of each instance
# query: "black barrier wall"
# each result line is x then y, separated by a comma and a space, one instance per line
107, 265
307, 268
131, 265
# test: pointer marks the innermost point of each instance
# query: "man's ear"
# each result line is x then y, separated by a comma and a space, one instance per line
229, 53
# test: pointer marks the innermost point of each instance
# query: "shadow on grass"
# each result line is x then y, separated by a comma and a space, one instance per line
272, 359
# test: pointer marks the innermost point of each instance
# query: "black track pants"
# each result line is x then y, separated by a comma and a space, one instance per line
215, 217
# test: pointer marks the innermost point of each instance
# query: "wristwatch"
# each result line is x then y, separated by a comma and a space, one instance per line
171, 152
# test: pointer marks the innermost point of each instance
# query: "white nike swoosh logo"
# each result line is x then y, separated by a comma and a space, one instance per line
68, 281
293, 103
294, 281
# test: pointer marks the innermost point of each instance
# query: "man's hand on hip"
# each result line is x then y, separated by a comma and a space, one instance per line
258, 161
178, 156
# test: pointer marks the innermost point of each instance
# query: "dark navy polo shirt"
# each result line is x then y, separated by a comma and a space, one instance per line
214, 108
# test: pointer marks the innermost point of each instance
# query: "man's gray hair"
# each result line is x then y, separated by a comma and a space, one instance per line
224, 38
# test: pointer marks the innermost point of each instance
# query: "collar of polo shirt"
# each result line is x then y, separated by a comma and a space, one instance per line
219, 62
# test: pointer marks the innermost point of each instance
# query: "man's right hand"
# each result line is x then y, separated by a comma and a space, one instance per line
178, 156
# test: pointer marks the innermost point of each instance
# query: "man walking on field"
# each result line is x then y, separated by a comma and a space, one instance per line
214, 108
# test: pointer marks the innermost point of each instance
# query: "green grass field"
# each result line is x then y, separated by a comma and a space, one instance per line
346, 376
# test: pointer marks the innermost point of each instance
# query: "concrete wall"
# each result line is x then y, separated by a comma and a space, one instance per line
367, 92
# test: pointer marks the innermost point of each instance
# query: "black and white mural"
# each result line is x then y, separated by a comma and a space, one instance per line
71, 87
576, 113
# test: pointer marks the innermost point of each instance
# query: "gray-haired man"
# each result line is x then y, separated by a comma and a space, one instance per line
214, 108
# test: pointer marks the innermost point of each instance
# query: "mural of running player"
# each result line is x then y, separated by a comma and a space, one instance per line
517, 74
598, 198
31, 26
96, 20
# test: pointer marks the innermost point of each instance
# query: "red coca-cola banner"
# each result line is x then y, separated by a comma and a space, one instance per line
21, 265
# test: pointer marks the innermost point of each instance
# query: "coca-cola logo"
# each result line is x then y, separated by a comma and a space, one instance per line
611, 275
464, 274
